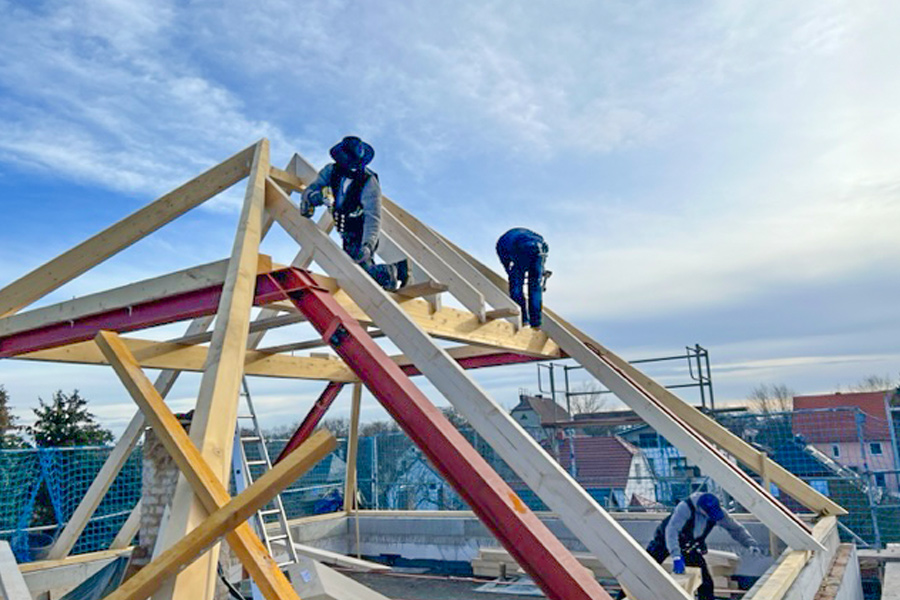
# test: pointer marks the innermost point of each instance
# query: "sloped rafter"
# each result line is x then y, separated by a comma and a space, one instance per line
748, 455
71, 264
585, 518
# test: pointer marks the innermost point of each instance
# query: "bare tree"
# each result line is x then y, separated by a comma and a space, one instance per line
875, 383
376, 427
771, 398
589, 398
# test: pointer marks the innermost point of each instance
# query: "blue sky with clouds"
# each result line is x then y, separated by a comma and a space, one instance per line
722, 173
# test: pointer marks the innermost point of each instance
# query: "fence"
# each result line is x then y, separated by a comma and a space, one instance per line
844, 453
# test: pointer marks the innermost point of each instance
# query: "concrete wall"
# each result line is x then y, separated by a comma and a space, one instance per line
457, 536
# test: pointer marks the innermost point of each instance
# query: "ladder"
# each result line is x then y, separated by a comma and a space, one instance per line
251, 456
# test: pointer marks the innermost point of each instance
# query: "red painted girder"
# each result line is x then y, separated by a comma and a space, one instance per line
312, 419
178, 307
535, 548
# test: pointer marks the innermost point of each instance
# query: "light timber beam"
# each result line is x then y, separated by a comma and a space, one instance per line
215, 416
207, 484
71, 264
423, 254
697, 449
596, 529
708, 427
226, 518
166, 355
496, 297
188, 280
111, 467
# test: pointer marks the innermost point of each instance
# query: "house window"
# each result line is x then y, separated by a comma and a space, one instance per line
678, 462
648, 440
880, 480
875, 448
835, 451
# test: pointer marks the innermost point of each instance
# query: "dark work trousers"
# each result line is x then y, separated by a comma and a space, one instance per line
385, 275
528, 264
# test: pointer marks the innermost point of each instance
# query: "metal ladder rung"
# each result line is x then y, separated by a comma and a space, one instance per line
271, 511
251, 438
255, 463
280, 536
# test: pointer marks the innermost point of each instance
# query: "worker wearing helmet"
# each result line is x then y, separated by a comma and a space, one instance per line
683, 535
523, 254
352, 192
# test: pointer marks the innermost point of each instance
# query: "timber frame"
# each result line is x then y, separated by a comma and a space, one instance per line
223, 344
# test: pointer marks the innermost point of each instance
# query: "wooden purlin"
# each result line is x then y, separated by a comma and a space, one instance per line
708, 427
69, 265
196, 470
215, 415
600, 533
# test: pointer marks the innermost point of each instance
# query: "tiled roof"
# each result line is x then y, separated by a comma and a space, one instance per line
827, 426
548, 410
601, 462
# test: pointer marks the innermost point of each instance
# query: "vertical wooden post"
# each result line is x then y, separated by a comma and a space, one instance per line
352, 445
215, 417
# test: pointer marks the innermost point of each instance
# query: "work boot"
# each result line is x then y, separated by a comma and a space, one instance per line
402, 273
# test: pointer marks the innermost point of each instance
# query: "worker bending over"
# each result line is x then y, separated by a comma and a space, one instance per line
352, 192
683, 535
523, 254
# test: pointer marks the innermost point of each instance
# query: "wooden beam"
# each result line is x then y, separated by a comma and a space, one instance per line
708, 427
12, 583
226, 518
71, 264
424, 255
195, 468
494, 295
111, 467
187, 280
129, 529
352, 445
595, 528
698, 450
215, 416
788, 567
426, 288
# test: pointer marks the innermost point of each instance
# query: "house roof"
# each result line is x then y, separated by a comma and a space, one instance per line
601, 462
548, 410
840, 425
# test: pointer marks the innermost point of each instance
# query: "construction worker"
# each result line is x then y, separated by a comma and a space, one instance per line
523, 254
683, 535
352, 192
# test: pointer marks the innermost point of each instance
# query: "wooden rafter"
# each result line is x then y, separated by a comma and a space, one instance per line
71, 264
559, 491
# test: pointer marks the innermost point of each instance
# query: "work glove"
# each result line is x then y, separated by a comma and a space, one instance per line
678, 565
756, 551
306, 208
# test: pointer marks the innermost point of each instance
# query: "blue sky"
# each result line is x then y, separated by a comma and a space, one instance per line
721, 173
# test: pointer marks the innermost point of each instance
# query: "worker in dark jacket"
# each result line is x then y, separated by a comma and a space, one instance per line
523, 254
352, 192
683, 535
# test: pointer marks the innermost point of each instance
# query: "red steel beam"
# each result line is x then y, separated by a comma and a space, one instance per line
312, 418
535, 548
178, 307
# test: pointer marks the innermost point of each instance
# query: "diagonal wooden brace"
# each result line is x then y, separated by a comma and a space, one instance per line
206, 485
225, 519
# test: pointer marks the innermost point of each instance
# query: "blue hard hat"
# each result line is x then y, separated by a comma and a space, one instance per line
709, 504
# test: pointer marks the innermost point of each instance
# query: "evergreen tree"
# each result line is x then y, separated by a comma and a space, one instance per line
8, 436
65, 421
